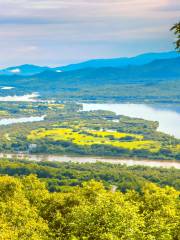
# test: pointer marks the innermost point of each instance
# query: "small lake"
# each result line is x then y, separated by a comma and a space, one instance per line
8, 121
168, 116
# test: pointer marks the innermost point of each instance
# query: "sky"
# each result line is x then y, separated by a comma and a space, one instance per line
59, 32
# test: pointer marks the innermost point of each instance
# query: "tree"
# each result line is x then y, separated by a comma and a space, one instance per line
18, 218
176, 30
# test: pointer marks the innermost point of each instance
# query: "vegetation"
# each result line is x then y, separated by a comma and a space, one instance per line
176, 29
70, 201
29, 211
60, 177
67, 130
90, 138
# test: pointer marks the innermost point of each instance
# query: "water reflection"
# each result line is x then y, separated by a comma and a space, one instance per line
168, 117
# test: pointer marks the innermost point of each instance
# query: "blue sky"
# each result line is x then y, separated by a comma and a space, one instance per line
58, 32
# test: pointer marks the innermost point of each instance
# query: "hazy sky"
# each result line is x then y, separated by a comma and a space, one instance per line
57, 32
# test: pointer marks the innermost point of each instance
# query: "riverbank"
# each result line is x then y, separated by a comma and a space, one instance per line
168, 117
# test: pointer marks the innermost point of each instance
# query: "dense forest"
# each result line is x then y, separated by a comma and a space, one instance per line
30, 211
60, 177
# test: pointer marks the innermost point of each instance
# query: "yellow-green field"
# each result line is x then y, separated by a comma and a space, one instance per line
92, 137
4, 113
55, 106
116, 135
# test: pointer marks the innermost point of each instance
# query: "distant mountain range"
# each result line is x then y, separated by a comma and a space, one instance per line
120, 62
152, 73
156, 71
155, 81
29, 70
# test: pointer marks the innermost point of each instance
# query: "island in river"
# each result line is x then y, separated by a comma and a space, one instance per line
67, 129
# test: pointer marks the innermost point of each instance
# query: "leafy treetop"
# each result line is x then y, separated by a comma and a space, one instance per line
176, 30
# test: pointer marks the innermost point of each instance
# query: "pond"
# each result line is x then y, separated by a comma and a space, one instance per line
168, 116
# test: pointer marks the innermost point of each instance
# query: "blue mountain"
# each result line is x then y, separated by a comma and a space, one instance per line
139, 60
23, 70
157, 81
121, 62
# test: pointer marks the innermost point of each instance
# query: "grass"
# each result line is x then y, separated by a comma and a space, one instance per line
92, 137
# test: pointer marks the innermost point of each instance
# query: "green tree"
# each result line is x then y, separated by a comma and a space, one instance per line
176, 30
18, 218
29, 211
160, 208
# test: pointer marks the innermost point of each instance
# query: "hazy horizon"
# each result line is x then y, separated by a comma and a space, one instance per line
57, 33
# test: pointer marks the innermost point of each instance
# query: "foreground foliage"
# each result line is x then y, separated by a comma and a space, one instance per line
176, 30
29, 211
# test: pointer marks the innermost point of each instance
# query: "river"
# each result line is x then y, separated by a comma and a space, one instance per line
89, 159
168, 116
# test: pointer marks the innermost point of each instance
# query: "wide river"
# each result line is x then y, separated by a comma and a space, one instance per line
89, 159
167, 116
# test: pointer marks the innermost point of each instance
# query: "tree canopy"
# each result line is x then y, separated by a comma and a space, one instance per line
176, 30
90, 212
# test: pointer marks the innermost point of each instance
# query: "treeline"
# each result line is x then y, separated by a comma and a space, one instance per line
50, 146
62, 177
29, 211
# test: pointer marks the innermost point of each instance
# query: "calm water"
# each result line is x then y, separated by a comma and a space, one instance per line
9, 121
25, 98
167, 116
6, 88
148, 163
